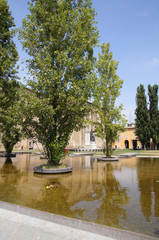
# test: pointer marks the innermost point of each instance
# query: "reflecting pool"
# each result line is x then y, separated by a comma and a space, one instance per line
123, 194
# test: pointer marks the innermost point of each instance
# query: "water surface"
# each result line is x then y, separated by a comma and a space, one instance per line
122, 194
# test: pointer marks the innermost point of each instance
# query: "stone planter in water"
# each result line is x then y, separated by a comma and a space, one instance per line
39, 169
126, 155
4, 154
43, 157
111, 159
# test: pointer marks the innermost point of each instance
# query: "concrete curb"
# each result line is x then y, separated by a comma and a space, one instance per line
100, 230
81, 154
105, 159
40, 170
127, 155
142, 156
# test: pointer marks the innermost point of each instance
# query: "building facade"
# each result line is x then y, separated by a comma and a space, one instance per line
128, 139
85, 140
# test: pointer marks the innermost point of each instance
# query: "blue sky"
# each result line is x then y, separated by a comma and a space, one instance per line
132, 28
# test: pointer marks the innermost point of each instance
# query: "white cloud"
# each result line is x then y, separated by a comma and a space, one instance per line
154, 62
144, 13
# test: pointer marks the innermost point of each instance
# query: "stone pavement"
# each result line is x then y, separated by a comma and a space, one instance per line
22, 227
20, 223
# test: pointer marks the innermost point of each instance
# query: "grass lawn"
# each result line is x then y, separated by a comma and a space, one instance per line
138, 152
115, 152
27, 150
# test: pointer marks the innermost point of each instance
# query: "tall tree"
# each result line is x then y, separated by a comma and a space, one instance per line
153, 111
108, 85
59, 36
9, 127
142, 117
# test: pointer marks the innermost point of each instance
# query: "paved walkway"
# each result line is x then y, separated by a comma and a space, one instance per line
20, 223
22, 227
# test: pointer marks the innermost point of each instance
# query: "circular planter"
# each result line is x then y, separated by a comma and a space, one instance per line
38, 169
111, 159
43, 157
126, 155
7, 155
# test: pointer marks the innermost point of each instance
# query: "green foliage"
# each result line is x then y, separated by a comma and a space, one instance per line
8, 59
142, 123
108, 86
147, 120
11, 121
9, 117
47, 166
10, 136
154, 113
59, 36
8, 53
55, 151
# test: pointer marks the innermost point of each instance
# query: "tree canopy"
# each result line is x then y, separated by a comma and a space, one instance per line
147, 115
142, 117
9, 85
154, 112
108, 85
59, 37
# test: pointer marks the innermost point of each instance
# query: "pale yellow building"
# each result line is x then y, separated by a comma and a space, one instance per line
127, 139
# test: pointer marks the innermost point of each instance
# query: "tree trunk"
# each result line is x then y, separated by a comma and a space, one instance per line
107, 149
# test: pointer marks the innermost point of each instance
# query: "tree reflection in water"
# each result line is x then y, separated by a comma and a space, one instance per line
54, 199
10, 176
106, 204
148, 185
99, 192
112, 207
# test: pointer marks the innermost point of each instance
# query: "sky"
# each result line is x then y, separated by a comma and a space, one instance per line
132, 29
